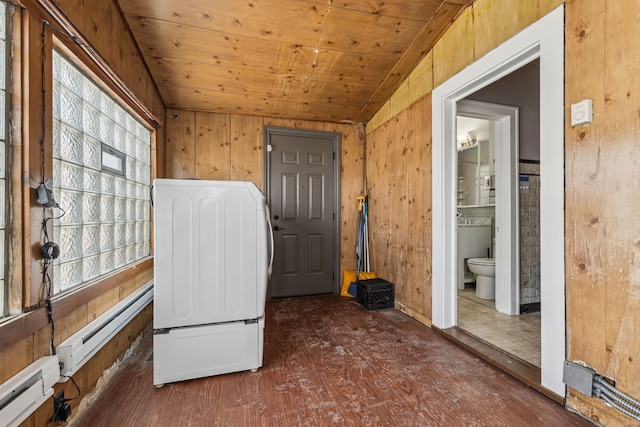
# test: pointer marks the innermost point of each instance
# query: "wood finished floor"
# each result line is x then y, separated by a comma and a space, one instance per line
328, 361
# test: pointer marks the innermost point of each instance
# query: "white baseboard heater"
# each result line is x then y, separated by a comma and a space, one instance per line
27, 390
81, 346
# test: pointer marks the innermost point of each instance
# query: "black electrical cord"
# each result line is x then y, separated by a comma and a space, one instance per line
43, 62
49, 250
43, 93
47, 261
60, 407
76, 385
46, 282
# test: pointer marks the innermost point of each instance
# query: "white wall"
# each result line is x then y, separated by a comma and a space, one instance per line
519, 89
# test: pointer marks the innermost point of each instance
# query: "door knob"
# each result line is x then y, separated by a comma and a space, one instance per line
276, 228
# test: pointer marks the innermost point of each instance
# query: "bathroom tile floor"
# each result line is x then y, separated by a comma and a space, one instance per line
516, 335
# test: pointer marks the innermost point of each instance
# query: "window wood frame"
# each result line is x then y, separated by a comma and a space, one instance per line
25, 273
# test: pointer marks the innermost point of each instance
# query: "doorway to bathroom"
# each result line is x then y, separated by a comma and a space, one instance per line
543, 40
487, 168
496, 298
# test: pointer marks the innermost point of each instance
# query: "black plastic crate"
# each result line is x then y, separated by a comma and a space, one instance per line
374, 294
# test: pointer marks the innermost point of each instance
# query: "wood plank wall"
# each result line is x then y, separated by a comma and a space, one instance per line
398, 173
230, 147
602, 160
398, 154
26, 338
601, 184
602, 187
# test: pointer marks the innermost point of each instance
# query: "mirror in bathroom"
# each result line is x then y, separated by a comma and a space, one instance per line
476, 163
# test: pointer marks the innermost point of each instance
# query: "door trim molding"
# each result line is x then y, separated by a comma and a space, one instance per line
503, 130
269, 131
543, 39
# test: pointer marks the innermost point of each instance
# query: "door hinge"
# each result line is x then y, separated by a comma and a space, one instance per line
333, 277
334, 155
334, 216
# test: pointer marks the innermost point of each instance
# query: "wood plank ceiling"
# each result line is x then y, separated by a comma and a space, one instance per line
326, 60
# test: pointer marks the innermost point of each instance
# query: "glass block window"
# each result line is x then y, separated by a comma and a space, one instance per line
4, 191
106, 223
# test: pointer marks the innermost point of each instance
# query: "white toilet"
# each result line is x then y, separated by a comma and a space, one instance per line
485, 271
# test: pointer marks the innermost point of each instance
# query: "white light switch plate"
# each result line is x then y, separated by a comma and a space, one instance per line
582, 112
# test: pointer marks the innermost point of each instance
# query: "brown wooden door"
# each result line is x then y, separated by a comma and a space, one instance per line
301, 195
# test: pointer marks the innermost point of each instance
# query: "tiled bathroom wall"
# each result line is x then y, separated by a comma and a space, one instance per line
529, 236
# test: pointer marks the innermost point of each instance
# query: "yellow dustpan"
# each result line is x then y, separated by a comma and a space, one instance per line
349, 282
